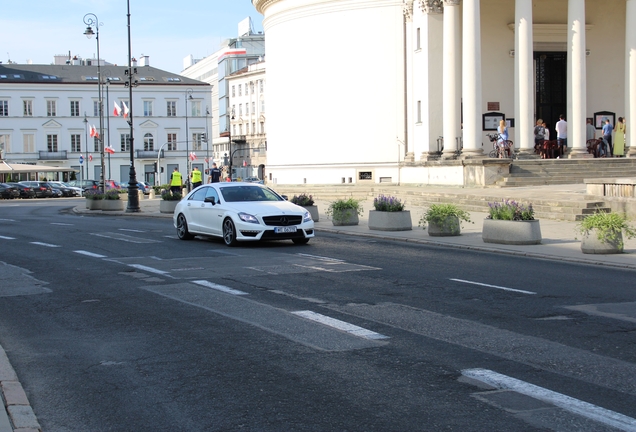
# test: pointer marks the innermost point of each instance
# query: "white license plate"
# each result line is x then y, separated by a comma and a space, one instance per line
287, 229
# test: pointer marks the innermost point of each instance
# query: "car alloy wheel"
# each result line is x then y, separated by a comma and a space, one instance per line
182, 228
229, 232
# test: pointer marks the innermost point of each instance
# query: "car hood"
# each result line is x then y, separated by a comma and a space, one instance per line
265, 207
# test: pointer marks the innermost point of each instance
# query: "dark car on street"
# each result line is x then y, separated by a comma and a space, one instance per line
65, 191
84, 184
25, 191
8, 192
41, 189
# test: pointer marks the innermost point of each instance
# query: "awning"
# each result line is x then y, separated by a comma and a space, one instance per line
7, 168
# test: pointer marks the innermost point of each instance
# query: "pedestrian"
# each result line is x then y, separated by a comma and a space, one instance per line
503, 137
619, 138
561, 128
547, 131
196, 178
590, 130
215, 174
608, 128
176, 182
539, 136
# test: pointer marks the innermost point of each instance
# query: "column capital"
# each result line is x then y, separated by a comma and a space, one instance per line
451, 3
408, 10
432, 6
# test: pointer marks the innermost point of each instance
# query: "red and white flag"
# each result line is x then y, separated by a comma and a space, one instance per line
117, 110
94, 133
126, 111
193, 156
206, 160
90, 157
109, 150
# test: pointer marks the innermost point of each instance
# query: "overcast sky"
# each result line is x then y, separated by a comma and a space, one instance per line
167, 31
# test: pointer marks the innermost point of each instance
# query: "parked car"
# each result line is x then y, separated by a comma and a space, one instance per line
241, 212
8, 192
253, 180
84, 184
65, 190
142, 187
25, 191
42, 189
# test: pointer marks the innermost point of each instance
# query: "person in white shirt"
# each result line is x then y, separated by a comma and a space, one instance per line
562, 134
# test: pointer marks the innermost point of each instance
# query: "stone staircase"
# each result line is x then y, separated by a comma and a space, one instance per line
565, 171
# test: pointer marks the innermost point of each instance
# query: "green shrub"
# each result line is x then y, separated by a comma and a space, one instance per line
337, 210
440, 213
608, 226
303, 200
169, 196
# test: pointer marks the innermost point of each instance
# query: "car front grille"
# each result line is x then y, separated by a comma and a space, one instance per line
282, 220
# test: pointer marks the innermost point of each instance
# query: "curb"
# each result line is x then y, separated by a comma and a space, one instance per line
17, 415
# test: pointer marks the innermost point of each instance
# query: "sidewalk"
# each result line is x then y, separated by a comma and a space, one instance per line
560, 241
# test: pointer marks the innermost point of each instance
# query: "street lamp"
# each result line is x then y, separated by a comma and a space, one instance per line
86, 150
91, 20
133, 189
188, 96
230, 140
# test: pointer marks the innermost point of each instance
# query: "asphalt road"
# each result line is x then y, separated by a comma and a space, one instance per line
113, 324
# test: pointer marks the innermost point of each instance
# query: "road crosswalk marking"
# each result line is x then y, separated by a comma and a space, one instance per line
340, 325
494, 286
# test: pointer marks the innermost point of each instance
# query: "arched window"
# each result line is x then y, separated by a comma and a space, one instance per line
149, 142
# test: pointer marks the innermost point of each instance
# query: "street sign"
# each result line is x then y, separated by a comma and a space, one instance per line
81, 159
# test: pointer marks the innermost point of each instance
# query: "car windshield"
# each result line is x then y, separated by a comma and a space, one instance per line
248, 193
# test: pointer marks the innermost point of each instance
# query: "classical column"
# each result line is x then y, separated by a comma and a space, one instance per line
630, 103
411, 107
524, 76
471, 79
577, 96
452, 80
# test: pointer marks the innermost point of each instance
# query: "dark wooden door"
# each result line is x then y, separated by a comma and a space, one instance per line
551, 87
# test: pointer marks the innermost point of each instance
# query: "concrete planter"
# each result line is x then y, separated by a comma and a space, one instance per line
93, 204
345, 217
390, 221
167, 206
449, 227
113, 205
511, 232
313, 211
590, 244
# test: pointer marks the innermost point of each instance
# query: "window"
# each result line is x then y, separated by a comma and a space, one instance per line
262, 127
247, 109
76, 141
5, 144
240, 89
95, 108
96, 144
51, 108
262, 105
28, 108
75, 109
172, 141
172, 108
195, 108
233, 91
247, 129
253, 127
28, 143
418, 45
260, 82
253, 108
252, 87
233, 129
197, 139
240, 129
147, 108
419, 111
51, 143
125, 142
4, 108
240, 110
149, 142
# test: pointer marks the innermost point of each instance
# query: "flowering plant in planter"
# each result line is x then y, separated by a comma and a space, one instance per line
510, 210
167, 195
441, 214
112, 194
94, 194
303, 200
388, 204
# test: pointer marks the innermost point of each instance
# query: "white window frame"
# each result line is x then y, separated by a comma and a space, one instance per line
51, 108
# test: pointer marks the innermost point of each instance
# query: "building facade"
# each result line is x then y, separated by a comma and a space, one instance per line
50, 114
400, 86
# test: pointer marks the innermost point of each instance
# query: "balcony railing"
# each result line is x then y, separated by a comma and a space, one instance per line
47, 155
239, 139
148, 154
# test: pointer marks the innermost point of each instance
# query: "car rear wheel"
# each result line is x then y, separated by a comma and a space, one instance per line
300, 241
182, 228
229, 232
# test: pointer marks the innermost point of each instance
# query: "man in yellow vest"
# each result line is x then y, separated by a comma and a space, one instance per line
176, 181
196, 178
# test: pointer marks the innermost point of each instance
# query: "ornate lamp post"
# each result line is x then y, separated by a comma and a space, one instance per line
133, 189
230, 140
86, 147
91, 20
188, 96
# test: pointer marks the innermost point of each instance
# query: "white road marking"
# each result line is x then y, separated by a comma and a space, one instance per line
90, 254
7, 220
494, 286
149, 269
45, 244
62, 224
7, 238
218, 287
131, 230
340, 325
124, 237
319, 257
568, 403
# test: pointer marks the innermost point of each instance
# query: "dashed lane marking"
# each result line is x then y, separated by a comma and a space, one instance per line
7, 238
7, 220
318, 257
150, 269
131, 230
494, 286
218, 287
61, 224
90, 254
340, 325
45, 244
567, 403
126, 238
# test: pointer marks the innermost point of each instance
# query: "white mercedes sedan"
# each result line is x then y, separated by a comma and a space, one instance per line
241, 212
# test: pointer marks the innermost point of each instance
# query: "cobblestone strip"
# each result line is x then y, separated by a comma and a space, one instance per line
17, 411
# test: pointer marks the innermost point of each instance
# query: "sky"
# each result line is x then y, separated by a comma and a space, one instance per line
166, 31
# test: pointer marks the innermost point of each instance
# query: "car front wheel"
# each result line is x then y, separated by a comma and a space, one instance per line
229, 232
182, 228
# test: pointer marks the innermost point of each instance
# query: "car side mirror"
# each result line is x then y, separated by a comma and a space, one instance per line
210, 200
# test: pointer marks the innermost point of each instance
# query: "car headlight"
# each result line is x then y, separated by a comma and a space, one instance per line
245, 217
307, 217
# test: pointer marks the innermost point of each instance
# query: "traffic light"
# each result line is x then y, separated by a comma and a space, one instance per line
161, 169
155, 164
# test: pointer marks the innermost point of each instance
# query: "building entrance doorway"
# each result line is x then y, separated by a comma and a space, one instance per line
550, 87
